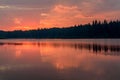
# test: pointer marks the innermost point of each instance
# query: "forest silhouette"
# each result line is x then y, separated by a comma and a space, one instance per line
96, 29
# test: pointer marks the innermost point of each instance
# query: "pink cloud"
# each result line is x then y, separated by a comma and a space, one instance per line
62, 15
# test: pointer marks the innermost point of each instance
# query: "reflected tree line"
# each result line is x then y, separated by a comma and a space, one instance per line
96, 29
96, 48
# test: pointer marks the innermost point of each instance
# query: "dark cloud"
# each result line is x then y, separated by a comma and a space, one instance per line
29, 3
108, 5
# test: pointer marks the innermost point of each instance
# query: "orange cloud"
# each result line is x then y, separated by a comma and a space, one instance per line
109, 15
60, 13
62, 16
17, 21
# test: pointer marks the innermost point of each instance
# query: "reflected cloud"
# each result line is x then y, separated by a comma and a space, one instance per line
57, 59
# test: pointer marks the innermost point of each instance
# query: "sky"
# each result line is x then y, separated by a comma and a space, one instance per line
33, 14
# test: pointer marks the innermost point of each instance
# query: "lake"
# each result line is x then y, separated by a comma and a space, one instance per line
60, 59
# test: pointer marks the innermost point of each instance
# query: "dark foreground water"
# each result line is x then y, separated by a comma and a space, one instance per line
60, 59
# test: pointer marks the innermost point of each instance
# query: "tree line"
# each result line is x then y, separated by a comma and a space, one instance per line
96, 29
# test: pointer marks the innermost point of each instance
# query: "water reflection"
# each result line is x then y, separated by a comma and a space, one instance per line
96, 48
53, 60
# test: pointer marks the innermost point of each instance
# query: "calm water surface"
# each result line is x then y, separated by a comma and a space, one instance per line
60, 59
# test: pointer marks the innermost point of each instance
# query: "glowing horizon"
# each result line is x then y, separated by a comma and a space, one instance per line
29, 14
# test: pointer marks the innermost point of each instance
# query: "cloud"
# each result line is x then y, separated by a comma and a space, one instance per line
17, 21
110, 15
53, 13
67, 15
9, 7
3, 7
29, 3
61, 16
10, 18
